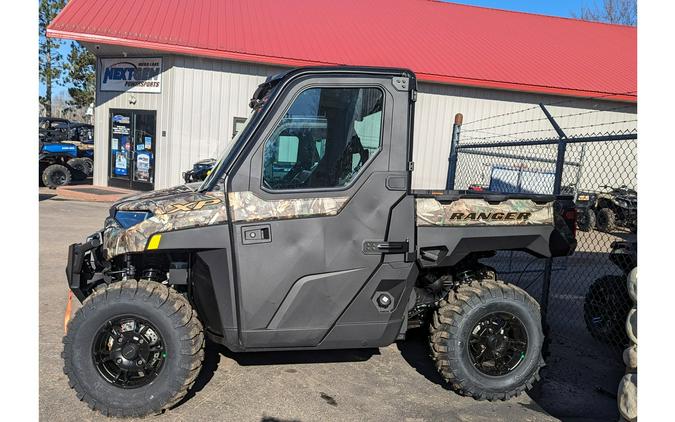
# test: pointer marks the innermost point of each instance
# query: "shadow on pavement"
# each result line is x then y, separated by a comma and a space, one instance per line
579, 384
209, 367
214, 352
415, 351
575, 386
295, 357
46, 196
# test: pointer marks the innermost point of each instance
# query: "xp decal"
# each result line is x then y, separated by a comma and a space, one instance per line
194, 205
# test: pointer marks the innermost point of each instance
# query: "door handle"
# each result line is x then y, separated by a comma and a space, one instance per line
260, 233
376, 247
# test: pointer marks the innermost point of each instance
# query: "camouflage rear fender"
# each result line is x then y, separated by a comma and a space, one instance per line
478, 212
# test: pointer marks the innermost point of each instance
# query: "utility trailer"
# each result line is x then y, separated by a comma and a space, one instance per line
335, 251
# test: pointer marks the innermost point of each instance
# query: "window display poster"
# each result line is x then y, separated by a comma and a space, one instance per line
119, 148
148, 142
121, 163
143, 166
120, 130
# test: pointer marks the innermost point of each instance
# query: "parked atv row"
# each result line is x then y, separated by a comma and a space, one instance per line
66, 152
608, 210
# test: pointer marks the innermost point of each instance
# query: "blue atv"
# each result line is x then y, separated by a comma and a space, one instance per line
66, 152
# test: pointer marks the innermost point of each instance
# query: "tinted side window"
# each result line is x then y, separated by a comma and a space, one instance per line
325, 138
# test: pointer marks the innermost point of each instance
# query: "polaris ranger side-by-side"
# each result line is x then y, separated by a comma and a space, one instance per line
307, 235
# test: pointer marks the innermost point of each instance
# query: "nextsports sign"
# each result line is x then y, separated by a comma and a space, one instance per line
131, 74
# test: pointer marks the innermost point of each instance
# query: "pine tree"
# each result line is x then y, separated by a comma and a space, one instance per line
50, 57
81, 73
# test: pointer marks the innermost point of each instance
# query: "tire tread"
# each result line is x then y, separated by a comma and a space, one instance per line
445, 325
173, 305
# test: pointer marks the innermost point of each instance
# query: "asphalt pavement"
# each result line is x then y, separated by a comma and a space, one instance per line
395, 383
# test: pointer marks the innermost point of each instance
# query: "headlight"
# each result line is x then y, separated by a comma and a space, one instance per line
128, 219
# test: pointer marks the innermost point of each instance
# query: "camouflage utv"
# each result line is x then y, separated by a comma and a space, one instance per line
306, 235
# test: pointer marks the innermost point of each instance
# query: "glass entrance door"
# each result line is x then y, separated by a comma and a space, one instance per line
132, 149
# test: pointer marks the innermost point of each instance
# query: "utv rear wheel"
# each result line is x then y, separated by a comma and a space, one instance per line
133, 349
56, 175
606, 220
586, 220
88, 166
79, 168
486, 340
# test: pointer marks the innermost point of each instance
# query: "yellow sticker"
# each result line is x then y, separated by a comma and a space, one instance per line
154, 242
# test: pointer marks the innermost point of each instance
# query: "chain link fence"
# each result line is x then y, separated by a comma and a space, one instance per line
592, 156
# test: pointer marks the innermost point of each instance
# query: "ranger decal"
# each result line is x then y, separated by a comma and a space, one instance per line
478, 212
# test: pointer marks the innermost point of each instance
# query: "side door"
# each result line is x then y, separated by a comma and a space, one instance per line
310, 206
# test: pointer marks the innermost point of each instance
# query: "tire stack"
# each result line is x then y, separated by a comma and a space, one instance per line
627, 395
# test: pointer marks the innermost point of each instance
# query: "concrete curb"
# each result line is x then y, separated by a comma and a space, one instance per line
89, 193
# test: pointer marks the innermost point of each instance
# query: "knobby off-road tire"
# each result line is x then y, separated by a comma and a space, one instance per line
176, 323
88, 165
56, 175
586, 220
451, 333
606, 220
79, 168
606, 306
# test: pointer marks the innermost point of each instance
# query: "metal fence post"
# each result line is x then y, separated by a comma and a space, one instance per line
452, 158
559, 167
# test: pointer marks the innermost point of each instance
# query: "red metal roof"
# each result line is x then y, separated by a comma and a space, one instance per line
441, 42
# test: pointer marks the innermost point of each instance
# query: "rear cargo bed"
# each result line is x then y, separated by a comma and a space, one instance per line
452, 224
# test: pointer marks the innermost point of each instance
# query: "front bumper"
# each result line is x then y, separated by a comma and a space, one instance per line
82, 265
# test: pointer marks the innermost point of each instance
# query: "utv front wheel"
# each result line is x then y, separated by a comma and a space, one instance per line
56, 175
486, 340
133, 349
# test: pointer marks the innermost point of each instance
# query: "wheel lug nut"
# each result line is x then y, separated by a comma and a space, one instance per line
119, 340
140, 363
119, 360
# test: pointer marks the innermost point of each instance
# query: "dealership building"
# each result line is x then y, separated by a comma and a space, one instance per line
174, 78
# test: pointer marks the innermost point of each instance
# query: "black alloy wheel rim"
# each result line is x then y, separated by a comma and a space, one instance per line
58, 178
497, 344
128, 352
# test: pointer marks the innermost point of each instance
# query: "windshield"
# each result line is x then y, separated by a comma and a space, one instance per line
223, 156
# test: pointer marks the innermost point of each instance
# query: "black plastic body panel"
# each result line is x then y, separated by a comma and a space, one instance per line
460, 241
